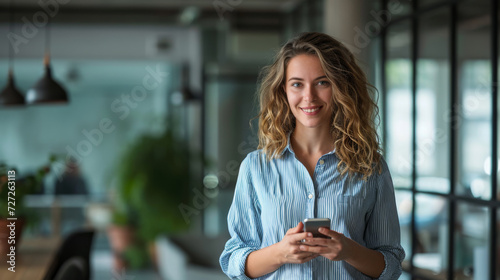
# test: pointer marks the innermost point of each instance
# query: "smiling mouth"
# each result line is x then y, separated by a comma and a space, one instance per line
310, 110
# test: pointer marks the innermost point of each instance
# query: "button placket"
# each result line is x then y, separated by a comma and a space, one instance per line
310, 200
320, 166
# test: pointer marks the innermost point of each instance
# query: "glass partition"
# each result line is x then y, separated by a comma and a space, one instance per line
471, 242
474, 91
433, 102
399, 103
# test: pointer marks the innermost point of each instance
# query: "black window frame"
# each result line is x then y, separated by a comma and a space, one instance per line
452, 197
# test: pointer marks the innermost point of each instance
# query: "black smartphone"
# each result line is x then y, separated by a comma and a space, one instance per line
312, 225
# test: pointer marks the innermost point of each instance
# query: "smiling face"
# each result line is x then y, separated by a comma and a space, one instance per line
309, 92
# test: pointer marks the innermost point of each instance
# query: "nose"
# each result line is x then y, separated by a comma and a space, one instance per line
309, 93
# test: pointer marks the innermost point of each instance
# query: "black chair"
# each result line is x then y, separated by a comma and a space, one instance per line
72, 258
72, 269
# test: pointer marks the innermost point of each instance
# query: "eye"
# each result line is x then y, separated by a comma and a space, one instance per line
295, 84
323, 83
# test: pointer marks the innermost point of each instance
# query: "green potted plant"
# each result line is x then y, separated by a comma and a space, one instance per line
121, 234
153, 180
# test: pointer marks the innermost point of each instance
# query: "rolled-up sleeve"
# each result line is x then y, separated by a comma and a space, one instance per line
382, 230
244, 225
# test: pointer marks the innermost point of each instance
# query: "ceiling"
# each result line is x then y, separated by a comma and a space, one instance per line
150, 11
264, 5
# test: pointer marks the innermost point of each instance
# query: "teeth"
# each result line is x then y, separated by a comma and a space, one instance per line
310, 110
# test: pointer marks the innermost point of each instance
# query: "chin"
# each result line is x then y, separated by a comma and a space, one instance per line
310, 125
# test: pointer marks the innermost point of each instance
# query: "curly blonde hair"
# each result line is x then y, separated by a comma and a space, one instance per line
354, 109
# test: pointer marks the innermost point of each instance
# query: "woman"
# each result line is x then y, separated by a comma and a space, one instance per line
318, 157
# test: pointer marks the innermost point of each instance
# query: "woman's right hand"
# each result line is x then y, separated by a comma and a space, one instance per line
289, 246
270, 258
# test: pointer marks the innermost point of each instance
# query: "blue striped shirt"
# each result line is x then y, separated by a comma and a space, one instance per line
273, 196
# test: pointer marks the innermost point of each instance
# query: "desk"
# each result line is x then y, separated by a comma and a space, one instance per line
33, 259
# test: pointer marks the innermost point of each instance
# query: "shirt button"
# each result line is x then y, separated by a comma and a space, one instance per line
310, 196
321, 162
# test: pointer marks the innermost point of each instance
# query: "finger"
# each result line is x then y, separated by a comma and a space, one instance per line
297, 254
302, 255
317, 241
299, 261
309, 257
331, 233
300, 227
314, 249
297, 228
298, 237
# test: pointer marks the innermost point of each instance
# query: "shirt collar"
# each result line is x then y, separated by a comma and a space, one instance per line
288, 144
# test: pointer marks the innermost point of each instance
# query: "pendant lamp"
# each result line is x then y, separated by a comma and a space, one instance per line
47, 90
10, 96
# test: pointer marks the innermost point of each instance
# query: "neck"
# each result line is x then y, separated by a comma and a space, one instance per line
312, 140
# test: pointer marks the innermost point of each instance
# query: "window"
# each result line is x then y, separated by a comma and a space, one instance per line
440, 71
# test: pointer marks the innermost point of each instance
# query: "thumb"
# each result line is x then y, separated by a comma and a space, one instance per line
295, 229
299, 228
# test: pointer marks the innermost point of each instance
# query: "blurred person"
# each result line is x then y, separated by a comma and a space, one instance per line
319, 156
71, 181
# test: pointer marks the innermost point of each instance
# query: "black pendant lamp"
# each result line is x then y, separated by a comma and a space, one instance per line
47, 90
10, 96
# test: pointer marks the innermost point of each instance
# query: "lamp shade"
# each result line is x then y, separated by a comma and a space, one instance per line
46, 90
10, 96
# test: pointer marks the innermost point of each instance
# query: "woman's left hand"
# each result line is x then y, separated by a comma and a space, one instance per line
335, 248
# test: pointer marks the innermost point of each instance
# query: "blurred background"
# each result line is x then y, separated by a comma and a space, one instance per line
126, 121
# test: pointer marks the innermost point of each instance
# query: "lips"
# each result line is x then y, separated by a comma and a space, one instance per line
310, 110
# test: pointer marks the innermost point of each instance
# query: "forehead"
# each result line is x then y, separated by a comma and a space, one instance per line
304, 66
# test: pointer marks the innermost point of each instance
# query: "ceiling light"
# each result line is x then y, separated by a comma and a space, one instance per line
47, 90
10, 96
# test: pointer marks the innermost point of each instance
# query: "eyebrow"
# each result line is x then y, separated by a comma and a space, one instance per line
300, 79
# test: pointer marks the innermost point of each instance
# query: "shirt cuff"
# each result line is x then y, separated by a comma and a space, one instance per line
392, 269
239, 259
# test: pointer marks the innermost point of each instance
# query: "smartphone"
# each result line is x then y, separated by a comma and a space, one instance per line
312, 225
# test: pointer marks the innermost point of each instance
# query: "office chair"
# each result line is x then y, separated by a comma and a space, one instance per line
72, 257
